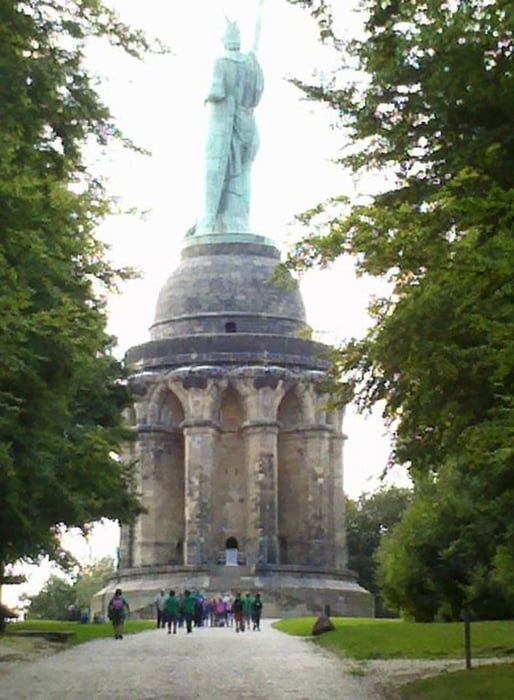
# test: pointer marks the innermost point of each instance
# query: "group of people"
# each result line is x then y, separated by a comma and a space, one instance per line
195, 610
192, 609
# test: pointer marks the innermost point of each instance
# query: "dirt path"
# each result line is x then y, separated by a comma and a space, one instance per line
210, 663
206, 665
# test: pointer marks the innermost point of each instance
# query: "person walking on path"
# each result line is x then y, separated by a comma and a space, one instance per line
117, 611
172, 612
256, 612
160, 609
237, 607
188, 607
247, 609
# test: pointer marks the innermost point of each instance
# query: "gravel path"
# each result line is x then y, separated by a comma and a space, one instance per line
210, 663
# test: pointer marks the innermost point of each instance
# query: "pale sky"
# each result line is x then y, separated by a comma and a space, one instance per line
158, 103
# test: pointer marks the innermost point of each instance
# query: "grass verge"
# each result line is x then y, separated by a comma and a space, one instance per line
360, 638
81, 633
491, 682
366, 639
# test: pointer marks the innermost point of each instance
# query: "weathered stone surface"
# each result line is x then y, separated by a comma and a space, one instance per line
227, 288
323, 624
287, 591
237, 448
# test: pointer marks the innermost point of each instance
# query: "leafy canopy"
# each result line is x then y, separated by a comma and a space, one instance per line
425, 97
62, 392
59, 596
368, 520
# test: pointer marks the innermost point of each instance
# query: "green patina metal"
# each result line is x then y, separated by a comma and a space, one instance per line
210, 238
231, 145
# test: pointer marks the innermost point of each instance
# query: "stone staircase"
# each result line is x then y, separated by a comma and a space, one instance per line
231, 579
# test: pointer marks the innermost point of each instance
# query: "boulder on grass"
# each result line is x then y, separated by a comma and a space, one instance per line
322, 624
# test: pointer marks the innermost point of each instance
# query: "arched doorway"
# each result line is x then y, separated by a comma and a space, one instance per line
231, 548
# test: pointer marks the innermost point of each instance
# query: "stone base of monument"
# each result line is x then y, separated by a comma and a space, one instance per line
287, 591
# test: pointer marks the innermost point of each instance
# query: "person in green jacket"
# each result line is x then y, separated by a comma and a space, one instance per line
247, 609
188, 608
171, 610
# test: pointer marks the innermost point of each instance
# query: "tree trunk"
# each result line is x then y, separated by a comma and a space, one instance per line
467, 637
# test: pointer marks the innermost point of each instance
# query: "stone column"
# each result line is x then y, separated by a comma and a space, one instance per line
126, 548
200, 455
338, 526
137, 544
261, 391
317, 446
262, 462
148, 530
199, 390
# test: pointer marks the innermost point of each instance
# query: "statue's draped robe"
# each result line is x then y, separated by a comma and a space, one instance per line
232, 141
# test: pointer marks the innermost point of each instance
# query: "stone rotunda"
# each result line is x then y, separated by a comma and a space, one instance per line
238, 459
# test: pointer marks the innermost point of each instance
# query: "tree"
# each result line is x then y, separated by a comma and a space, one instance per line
62, 392
54, 601
437, 561
61, 597
91, 579
368, 520
433, 114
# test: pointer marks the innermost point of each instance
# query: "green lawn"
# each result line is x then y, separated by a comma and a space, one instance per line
361, 638
81, 633
484, 683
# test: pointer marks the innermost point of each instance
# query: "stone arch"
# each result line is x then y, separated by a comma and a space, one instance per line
165, 409
290, 409
229, 471
230, 409
293, 473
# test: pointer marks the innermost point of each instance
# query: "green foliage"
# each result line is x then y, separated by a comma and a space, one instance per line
364, 638
491, 682
62, 393
92, 579
54, 600
441, 555
434, 116
58, 595
368, 520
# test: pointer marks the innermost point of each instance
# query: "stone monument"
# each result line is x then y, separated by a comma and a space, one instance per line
238, 457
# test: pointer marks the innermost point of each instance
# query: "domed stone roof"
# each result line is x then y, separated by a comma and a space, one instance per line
225, 288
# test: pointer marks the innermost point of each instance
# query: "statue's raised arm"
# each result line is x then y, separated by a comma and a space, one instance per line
232, 138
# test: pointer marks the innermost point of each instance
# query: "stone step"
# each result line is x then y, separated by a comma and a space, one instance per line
230, 578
